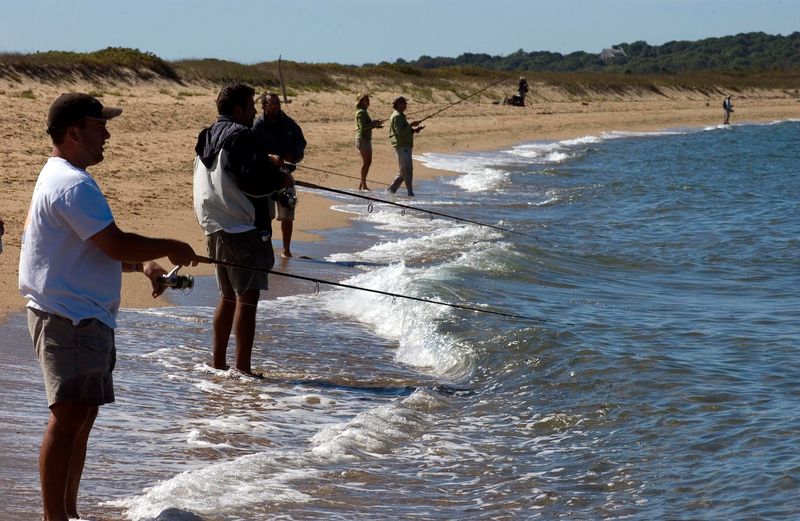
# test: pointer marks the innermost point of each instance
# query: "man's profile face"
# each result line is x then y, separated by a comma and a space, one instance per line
92, 135
245, 114
272, 106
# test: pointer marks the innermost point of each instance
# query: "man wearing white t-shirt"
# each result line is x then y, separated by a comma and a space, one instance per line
70, 271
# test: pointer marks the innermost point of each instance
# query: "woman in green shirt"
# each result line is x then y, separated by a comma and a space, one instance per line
364, 126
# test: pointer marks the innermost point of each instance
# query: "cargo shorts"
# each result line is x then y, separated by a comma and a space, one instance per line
76, 360
247, 249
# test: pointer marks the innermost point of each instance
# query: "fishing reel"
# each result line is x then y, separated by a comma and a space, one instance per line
285, 198
175, 281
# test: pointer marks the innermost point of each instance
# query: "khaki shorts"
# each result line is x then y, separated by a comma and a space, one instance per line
76, 361
241, 248
281, 212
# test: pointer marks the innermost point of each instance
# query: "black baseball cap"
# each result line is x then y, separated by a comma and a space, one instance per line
71, 107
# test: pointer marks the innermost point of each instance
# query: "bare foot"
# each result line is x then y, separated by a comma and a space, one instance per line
249, 372
286, 254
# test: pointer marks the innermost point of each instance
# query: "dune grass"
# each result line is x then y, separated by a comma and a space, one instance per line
114, 64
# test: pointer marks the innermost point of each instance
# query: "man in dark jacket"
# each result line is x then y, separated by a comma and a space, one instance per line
283, 140
232, 181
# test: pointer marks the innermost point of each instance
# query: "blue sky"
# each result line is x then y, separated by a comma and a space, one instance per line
371, 31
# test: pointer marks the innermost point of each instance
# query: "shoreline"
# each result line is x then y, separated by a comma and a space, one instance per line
147, 172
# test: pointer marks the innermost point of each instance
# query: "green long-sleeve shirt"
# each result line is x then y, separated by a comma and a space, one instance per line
401, 135
364, 125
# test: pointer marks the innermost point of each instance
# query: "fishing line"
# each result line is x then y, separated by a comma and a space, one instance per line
463, 99
209, 260
407, 207
332, 173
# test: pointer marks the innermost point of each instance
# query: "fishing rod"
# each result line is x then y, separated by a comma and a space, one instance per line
463, 99
283, 83
405, 206
425, 109
209, 260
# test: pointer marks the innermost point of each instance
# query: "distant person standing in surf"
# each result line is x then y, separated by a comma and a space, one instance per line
727, 108
401, 135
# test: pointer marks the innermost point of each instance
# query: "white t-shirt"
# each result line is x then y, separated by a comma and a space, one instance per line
61, 271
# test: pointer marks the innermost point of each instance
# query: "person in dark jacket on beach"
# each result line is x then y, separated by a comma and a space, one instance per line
522, 90
233, 179
282, 139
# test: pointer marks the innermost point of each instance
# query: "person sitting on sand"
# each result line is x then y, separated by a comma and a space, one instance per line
70, 271
232, 179
401, 135
727, 108
364, 126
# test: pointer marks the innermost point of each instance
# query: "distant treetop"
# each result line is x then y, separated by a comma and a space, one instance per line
747, 52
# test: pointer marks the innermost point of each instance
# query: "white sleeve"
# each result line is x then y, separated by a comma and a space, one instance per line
85, 209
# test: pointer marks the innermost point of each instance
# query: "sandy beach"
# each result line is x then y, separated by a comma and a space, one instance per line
147, 171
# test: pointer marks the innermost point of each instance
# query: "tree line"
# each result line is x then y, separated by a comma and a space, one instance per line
748, 52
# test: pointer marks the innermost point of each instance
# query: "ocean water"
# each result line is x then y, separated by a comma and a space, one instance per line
657, 377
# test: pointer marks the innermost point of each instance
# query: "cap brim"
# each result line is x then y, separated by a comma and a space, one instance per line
110, 112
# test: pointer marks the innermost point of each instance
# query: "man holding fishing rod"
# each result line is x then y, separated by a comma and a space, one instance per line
233, 179
283, 141
70, 271
401, 135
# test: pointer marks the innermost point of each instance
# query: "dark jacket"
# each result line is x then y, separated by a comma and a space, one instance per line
247, 164
282, 137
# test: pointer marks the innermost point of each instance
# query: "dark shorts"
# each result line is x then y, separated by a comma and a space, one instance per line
76, 361
364, 145
241, 248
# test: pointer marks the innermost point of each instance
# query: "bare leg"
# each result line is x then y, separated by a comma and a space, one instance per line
62, 456
286, 229
245, 323
223, 324
366, 162
77, 462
